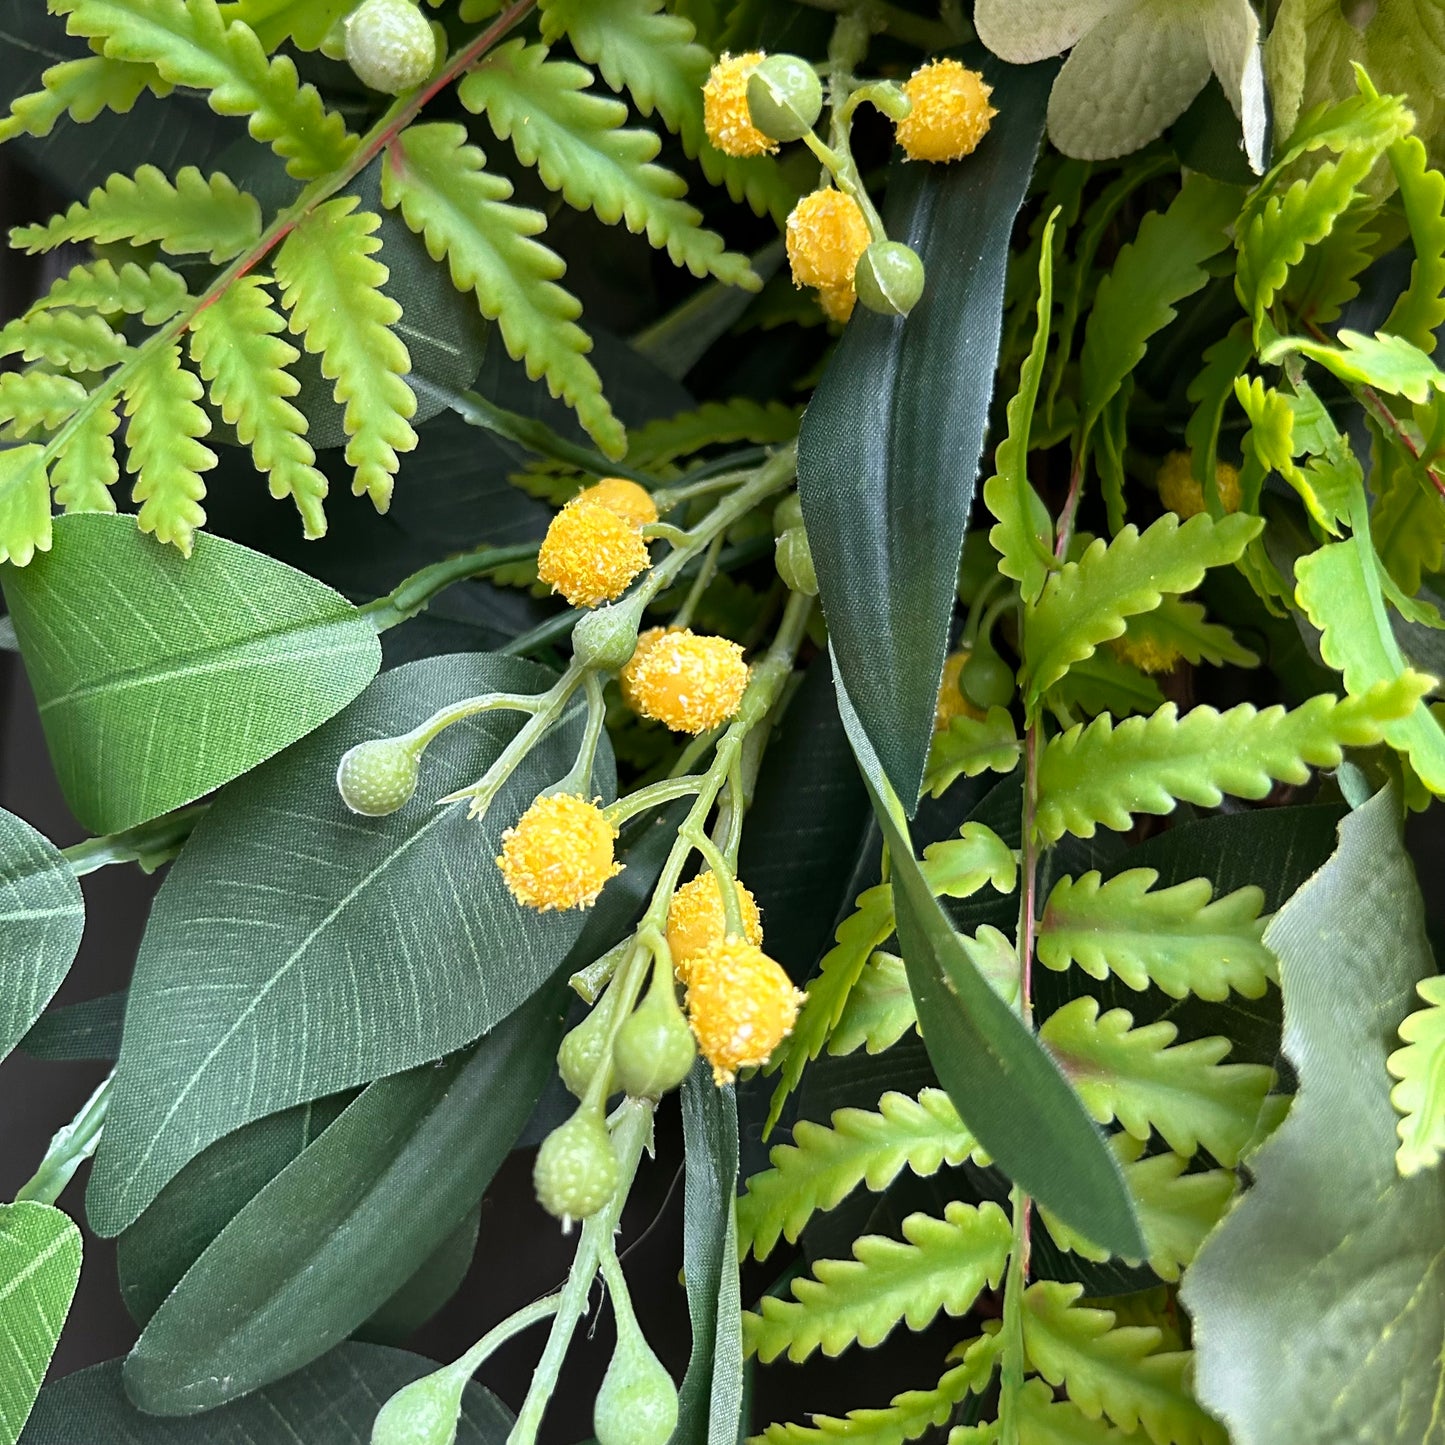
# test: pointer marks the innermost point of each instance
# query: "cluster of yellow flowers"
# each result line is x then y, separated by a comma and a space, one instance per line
595, 548
1181, 493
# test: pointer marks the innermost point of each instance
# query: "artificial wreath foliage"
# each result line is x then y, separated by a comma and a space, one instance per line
937, 707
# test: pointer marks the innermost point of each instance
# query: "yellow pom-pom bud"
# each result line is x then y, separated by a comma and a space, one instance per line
559, 854
951, 701
837, 302
741, 1006
826, 236
626, 679
688, 682
696, 921
725, 114
950, 114
624, 499
1148, 654
1180, 491
590, 554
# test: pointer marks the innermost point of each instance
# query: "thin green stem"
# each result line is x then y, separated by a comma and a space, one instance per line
422, 735
1011, 1366
666, 498
416, 592
498, 1335
700, 583
579, 777
150, 845
69, 1149
654, 795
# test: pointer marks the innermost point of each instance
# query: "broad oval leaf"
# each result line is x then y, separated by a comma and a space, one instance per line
159, 678
42, 916
890, 445
332, 1402
39, 1269
296, 950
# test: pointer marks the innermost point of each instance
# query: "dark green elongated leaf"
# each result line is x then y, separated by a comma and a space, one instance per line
332, 1402
1317, 1310
160, 677
42, 916
87, 1030
889, 450
711, 1399
340, 1230
434, 1283
296, 950
39, 1268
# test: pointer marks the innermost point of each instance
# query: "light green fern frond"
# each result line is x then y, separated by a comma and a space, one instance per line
879, 1010
1100, 773
1407, 522
1421, 309
940, 1264
81, 89
959, 867
1105, 683
1420, 1095
237, 348
1142, 1078
439, 185
331, 287
37, 400
578, 142
1087, 602
1179, 626
1272, 438
305, 23
190, 44
823, 1165
970, 746
1210, 391
198, 214
86, 468
1118, 1372
741, 419
1176, 938
24, 504
1327, 278
163, 437
79, 341
155, 293
1043, 1420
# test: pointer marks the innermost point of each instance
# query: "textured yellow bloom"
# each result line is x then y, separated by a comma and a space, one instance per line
1148, 654
626, 679
697, 922
559, 854
950, 114
951, 701
590, 554
725, 114
688, 682
838, 302
741, 1006
623, 498
826, 236
1182, 494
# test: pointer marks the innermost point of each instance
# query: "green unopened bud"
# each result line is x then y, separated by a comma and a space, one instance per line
583, 1051
390, 45
576, 1172
378, 776
788, 513
889, 278
654, 1049
637, 1401
785, 97
606, 637
793, 558
986, 679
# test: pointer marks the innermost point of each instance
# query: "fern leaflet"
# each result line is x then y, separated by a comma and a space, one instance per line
1420, 1095
24, 504
1043, 1420
1326, 279
305, 23
940, 1264
86, 469
879, 1010
969, 746
1179, 627
740, 419
1106, 683
78, 341
1210, 391
81, 89
155, 293
1407, 523
35, 400
1421, 310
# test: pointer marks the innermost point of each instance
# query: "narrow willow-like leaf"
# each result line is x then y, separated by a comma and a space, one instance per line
1421, 309
1142, 1078
939, 1265
24, 504
969, 746
1420, 1095
155, 293
81, 89
78, 341
445, 195
86, 469
331, 287
30, 400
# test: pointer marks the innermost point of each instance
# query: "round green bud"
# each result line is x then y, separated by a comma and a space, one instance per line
987, 680
785, 97
576, 1172
889, 278
793, 558
390, 45
378, 776
606, 637
637, 1402
582, 1051
788, 513
654, 1048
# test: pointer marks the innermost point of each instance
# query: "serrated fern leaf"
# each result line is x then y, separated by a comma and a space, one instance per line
1407, 523
305, 23
237, 347
81, 89
940, 1264
577, 141
1210, 392
35, 400
970, 746
1043, 1420
879, 1010
1106, 683
86, 469
79, 341
332, 288
1420, 311
155, 293
1179, 627
910, 1415
1087, 602
195, 215
24, 504
438, 183
163, 431
1142, 1078
1181, 939
1100, 773
190, 44
1113, 1371
741, 419
823, 1165
1419, 1097
1325, 490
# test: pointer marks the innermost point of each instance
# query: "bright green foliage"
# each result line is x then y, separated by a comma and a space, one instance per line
331, 287
1043, 1420
1086, 603
81, 89
34, 399
77, 341
1327, 278
879, 1010
940, 1264
578, 143
1175, 938
190, 44
86, 470
163, 436
303, 22
969, 746
1420, 1095
1142, 1078
236, 346
1421, 309
197, 214
155, 293
1388, 362
24, 504
1210, 392
439, 185
1407, 522
1100, 773
1283, 426
1178, 625
823, 1165
1114, 1371
1106, 683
